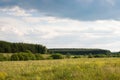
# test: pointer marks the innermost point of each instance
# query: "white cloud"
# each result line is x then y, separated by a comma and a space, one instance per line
57, 32
15, 11
46, 19
12, 26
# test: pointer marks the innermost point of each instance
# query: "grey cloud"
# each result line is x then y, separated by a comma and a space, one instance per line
73, 9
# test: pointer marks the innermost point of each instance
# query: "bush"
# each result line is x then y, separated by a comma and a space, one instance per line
57, 56
68, 55
23, 56
15, 57
39, 57
2, 57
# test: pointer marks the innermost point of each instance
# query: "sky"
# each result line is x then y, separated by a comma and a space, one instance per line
62, 23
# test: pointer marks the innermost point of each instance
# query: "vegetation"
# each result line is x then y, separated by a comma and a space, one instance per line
93, 64
25, 51
7, 47
39, 57
23, 57
2, 57
57, 56
77, 51
65, 69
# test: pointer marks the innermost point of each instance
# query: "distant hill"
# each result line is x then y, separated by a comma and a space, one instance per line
78, 51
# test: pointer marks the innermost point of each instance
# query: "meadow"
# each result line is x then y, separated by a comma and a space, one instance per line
62, 69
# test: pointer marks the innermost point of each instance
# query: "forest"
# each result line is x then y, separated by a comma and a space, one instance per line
8, 47
79, 51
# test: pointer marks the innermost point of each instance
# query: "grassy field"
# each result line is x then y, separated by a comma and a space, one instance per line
65, 69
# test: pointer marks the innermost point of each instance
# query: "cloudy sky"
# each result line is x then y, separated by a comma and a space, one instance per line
62, 23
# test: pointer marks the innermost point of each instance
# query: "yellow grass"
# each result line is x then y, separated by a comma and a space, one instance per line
65, 69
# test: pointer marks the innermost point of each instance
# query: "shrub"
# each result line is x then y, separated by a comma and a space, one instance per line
39, 57
2, 57
68, 55
14, 57
57, 56
30, 56
23, 56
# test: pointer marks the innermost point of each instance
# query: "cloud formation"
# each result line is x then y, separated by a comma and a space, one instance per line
16, 11
73, 9
59, 32
62, 23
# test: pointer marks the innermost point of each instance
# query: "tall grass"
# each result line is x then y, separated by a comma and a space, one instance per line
65, 69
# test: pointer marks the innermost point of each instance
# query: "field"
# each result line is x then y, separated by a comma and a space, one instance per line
64, 69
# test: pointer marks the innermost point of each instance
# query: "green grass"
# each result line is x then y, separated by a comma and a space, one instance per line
64, 69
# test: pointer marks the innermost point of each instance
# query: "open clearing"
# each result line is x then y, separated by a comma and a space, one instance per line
64, 69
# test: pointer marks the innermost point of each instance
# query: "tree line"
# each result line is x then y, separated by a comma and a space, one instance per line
8, 47
78, 51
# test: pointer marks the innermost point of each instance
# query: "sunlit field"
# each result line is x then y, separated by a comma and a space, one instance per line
64, 69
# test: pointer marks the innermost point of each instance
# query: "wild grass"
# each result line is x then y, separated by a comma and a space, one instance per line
64, 69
